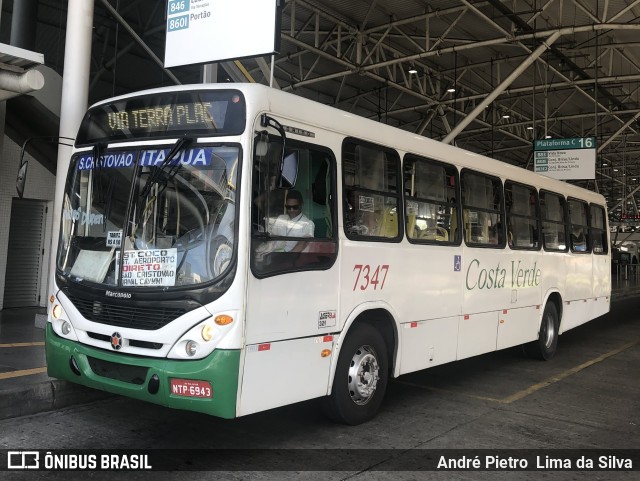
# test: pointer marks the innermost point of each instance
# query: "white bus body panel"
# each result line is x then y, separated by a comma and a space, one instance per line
477, 334
428, 343
517, 326
285, 372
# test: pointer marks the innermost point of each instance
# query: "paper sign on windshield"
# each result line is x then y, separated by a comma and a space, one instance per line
149, 268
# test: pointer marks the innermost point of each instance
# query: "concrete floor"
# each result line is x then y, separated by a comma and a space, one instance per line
587, 398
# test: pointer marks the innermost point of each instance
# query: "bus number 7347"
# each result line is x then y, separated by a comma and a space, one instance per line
364, 272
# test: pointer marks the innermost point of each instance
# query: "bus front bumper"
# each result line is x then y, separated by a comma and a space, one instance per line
146, 378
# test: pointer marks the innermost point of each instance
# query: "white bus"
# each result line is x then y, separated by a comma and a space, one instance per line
237, 248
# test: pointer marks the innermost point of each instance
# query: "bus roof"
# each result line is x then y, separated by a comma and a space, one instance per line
264, 98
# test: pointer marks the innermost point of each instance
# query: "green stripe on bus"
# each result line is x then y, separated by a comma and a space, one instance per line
220, 368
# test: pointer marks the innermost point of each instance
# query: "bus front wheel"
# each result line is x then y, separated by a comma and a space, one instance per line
545, 346
361, 377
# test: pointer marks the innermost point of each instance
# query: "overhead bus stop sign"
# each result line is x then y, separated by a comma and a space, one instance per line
204, 31
566, 158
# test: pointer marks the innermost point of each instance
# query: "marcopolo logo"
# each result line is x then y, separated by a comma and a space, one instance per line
121, 295
116, 341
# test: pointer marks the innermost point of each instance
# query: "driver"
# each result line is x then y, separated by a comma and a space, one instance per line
292, 224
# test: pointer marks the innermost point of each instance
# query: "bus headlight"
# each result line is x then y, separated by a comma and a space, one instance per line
191, 348
200, 340
60, 323
65, 328
207, 332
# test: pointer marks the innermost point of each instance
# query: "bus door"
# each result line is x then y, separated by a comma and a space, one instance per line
292, 297
485, 262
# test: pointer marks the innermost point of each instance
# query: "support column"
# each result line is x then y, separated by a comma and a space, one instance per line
3, 114
23, 24
75, 96
210, 73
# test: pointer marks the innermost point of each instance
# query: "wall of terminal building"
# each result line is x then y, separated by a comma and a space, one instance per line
40, 187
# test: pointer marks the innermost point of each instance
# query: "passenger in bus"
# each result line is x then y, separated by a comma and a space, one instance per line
292, 224
578, 241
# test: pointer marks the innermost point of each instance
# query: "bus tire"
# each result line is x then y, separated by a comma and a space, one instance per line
545, 346
361, 377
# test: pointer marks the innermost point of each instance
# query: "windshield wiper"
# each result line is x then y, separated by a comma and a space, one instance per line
181, 143
140, 197
99, 195
97, 151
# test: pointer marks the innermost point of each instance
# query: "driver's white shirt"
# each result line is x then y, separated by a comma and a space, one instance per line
299, 226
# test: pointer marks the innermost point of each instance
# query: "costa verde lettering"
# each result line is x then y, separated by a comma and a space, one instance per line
517, 276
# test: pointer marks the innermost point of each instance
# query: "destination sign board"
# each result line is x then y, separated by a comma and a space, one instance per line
165, 115
565, 159
204, 31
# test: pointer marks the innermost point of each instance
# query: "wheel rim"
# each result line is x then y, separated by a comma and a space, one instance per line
364, 373
549, 331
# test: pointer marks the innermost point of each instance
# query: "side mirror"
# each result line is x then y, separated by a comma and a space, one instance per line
22, 171
289, 170
22, 178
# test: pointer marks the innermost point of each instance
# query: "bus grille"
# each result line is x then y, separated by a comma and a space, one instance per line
132, 342
148, 318
118, 372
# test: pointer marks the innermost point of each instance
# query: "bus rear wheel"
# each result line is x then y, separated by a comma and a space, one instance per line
361, 377
545, 346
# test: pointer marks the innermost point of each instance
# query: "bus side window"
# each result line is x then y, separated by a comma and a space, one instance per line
522, 216
371, 206
579, 226
430, 189
293, 228
598, 230
482, 211
321, 194
553, 214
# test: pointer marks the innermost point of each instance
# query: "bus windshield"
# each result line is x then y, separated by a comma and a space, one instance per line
142, 218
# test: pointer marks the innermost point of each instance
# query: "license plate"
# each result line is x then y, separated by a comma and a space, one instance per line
191, 388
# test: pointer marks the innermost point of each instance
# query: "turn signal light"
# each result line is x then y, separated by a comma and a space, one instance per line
52, 298
223, 320
325, 353
56, 312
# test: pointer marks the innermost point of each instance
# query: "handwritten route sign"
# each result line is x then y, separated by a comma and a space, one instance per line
152, 267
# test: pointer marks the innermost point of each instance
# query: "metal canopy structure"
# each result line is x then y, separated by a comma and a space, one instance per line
17, 76
488, 75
